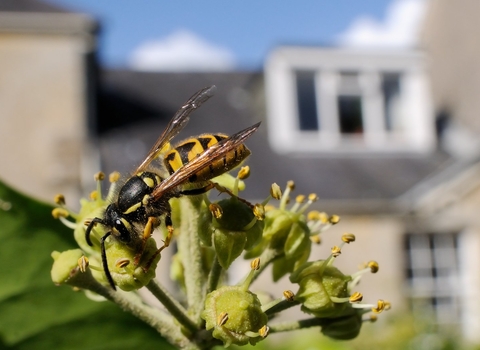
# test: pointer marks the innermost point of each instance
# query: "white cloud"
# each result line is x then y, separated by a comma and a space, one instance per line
400, 28
181, 51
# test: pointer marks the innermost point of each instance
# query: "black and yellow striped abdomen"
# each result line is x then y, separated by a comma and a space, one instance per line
189, 149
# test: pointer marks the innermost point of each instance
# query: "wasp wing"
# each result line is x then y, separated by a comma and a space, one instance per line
211, 154
178, 122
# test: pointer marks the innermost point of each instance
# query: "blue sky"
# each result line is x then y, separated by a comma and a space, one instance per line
237, 33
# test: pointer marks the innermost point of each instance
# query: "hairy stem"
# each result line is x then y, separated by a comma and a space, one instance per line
267, 257
130, 302
172, 305
189, 245
214, 276
294, 325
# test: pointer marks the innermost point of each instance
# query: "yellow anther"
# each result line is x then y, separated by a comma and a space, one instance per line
259, 211
244, 173
373, 318
59, 199
312, 197
300, 198
114, 177
388, 305
313, 215
348, 237
222, 318
275, 191
269, 207
99, 176
83, 263
60, 213
264, 331
373, 265
356, 297
291, 185
288, 295
93, 195
316, 239
324, 218
216, 210
122, 262
334, 219
380, 307
255, 264
336, 251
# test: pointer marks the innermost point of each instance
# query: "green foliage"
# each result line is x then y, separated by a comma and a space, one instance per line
36, 314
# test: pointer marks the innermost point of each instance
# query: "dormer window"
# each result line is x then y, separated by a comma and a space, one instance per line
324, 100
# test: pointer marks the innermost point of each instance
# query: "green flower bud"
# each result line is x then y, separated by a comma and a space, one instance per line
121, 264
65, 265
228, 245
346, 327
235, 315
277, 226
319, 283
236, 229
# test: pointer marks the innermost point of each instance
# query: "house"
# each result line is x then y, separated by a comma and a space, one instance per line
47, 60
364, 131
387, 140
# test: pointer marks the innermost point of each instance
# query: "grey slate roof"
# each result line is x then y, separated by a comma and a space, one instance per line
343, 183
29, 6
34, 16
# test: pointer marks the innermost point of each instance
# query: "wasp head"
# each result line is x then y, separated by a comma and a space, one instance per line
120, 226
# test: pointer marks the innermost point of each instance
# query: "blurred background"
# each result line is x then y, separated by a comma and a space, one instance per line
372, 104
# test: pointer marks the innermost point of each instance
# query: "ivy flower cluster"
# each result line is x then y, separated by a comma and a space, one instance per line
210, 236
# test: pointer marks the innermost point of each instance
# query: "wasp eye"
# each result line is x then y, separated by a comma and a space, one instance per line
124, 234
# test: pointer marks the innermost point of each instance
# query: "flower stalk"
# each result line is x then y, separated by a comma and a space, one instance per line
210, 236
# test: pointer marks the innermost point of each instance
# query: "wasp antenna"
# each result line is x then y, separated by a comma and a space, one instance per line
104, 260
89, 230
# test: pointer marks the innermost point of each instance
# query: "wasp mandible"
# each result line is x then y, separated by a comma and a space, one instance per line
144, 197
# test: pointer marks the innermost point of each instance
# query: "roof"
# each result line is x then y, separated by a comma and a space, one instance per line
29, 6
33, 16
343, 183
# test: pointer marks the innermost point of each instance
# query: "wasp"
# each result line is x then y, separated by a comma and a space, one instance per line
144, 197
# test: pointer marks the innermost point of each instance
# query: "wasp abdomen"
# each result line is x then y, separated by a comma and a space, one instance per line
191, 148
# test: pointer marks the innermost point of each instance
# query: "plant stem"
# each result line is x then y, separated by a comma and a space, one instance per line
172, 305
214, 275
157, 319
283, 305
189, 245
294, 325
266, 258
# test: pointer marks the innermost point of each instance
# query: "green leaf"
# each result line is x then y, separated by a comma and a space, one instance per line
36, 314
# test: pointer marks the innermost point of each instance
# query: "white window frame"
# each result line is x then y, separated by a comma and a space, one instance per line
282, 113
426, 255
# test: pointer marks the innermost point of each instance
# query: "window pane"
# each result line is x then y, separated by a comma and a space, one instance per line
433, 275
350, 114
391, 99
307, 101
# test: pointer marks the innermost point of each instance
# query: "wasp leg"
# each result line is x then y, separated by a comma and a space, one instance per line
104, 260
197, 191
147, 233
166, 242
219, 188
169, 225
